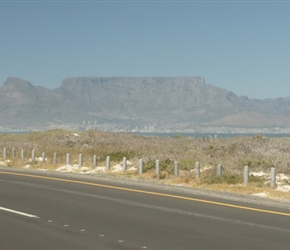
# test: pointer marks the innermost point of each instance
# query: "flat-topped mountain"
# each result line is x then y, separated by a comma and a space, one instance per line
134, 102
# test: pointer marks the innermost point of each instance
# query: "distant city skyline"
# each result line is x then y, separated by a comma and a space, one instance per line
241, 46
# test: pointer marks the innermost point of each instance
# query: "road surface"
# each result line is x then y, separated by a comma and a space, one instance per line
41, 211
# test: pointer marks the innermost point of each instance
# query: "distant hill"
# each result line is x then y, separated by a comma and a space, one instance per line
171, 102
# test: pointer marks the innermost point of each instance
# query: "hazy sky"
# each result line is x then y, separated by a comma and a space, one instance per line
241, 46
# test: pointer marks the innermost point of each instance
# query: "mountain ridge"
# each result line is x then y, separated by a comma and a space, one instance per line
175, 102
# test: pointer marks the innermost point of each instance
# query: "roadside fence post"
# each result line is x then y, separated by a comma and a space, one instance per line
33, 155
158, 167
80, 160
197, 169
141, 166
108, 163
273, 177
55, 158
43, 157
219, 169
124, 163
13, 153
4, 154
22, 154
95, 160
67, 159
246, 176
176, 169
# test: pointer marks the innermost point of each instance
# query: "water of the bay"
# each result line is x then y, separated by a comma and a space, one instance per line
211, 135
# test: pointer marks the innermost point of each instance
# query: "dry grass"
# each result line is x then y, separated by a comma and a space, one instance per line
258, 152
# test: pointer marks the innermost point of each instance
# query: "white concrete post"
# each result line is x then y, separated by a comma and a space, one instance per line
141, 166
55, 158
157, 167
67, 159
124, 163
43, 157
80, 160
176, 169
4, 154
33, 155
246, 176
13, 153
95, 160
219, 169
197, 169
273, 177
108, 163
22, 154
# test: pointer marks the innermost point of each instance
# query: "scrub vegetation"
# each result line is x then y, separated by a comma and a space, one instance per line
258, 152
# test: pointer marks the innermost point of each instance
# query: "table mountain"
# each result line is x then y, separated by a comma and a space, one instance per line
135, 101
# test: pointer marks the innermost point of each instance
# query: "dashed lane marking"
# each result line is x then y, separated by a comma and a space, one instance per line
18, 212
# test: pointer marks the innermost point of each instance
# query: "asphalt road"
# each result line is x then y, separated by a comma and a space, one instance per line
49, 212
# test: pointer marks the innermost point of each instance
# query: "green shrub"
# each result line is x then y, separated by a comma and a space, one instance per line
165, 165
119, 155
258, 164
258, 180
226, 178
187, 164
150, 165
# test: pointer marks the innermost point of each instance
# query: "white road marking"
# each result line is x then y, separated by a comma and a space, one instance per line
18, 212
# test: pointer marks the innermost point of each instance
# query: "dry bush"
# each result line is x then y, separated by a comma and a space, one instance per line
258, 152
